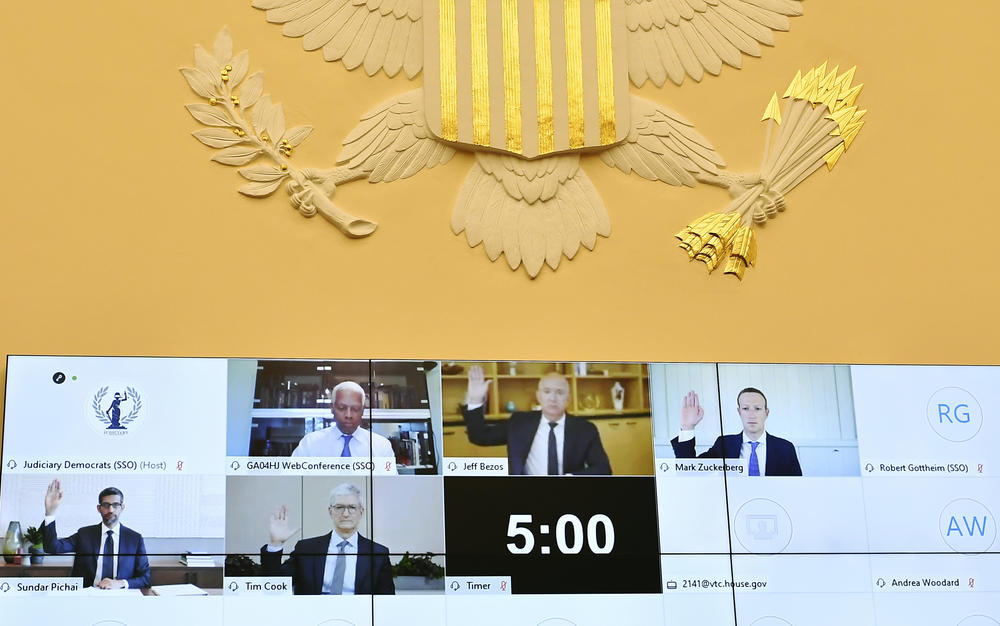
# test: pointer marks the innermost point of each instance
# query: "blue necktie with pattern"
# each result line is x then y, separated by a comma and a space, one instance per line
753, 467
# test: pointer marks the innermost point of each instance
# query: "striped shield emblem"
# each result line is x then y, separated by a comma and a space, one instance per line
529, 77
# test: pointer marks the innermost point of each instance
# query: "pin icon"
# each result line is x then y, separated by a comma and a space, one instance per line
980, 468
972, 583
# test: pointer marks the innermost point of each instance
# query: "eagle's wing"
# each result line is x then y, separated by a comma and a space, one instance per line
677, 37
533, 212
392, 141
662, 145
381, 34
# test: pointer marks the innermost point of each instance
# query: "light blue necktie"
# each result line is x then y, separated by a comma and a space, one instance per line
339, 567
347, 445
754, 465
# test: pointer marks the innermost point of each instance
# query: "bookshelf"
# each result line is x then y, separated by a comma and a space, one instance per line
292, 398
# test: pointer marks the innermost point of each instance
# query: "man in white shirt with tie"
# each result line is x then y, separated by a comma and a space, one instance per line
345, 437
765, 454
341, 562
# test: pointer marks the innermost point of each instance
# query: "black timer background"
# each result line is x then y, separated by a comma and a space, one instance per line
477, 510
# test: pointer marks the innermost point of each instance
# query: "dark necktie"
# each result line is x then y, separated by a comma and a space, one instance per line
108, 565
553, 451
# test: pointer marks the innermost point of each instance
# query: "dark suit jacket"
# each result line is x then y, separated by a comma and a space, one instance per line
88, 542
582, 450
305, 565
781, 457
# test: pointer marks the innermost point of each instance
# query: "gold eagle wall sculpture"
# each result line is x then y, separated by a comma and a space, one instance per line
527, 86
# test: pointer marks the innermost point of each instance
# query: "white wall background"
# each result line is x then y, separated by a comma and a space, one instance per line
407, 511
250, 501
810, 405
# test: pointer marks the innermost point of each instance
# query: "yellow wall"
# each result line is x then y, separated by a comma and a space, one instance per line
118, 236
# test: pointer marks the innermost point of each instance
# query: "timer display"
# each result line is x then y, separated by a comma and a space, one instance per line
569, 534
578, 534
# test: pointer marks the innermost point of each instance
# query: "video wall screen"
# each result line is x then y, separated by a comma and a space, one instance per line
351, 492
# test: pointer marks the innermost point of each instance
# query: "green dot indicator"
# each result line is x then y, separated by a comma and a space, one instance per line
74, 378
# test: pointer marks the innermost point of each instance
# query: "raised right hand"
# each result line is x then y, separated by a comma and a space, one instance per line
691, 411
478, 386
278, 528
53, 496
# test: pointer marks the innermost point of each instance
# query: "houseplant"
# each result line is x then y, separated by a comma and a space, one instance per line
418, 572
33, 541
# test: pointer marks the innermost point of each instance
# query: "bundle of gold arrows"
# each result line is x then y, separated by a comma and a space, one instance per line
821, 122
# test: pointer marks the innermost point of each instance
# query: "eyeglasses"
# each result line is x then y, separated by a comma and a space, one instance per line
110, 505
340, 509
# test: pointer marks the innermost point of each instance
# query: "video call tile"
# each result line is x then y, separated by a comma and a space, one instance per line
932, 514
790, 515
555, 610
928, 421
967, 609
806, 609
418, 609
301, 610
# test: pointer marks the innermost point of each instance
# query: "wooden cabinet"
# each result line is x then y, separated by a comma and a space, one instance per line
629, 444
625, 434
456, 443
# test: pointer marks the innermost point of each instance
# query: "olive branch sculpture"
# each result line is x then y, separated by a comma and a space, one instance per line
244, 123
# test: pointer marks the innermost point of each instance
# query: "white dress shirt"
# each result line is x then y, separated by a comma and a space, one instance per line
351, 563
745, 449
329, 442
537, 463
115, 540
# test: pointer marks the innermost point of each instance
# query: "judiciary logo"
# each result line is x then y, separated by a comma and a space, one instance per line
114, 410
